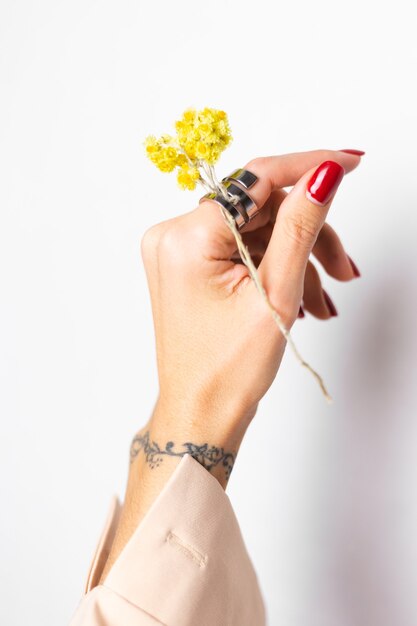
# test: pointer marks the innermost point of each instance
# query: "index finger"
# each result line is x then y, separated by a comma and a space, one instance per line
273, 172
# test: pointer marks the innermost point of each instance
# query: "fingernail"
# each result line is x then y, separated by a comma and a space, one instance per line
330, 304
324, 182
354, 267
301, 312
352, 151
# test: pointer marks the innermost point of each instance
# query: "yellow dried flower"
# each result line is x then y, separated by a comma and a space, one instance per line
181, 160
204, 130
202, 150
189, 115
187, 177
151, 144
162, 153
201, 138
203, 134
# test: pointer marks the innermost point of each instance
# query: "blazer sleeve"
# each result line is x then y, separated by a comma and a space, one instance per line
186, 563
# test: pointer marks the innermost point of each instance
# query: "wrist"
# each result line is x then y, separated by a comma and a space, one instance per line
172, 432
161, 454
212, 418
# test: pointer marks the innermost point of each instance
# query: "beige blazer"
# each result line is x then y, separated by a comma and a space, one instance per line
186, 564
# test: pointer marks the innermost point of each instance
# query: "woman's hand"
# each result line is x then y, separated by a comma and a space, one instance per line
218, 348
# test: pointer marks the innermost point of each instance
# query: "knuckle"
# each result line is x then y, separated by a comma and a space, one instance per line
301, 229
200, 235
150, 241
327, 154
168, 241
175, 240
175, 244
256, 163
287, 309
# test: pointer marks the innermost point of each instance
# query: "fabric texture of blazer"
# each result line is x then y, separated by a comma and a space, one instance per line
186, 563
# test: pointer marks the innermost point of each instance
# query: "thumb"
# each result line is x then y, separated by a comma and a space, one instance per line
299, 220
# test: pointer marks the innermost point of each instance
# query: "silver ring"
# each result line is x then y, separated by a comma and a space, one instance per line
235, 213
245, 210
244, 177
248, 205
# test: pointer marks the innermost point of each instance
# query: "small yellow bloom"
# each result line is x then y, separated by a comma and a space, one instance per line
214, 155
189, 115
190, 149
202, 150
204, 129
187, 177
181, 159
160, 152
151, 144
171, 153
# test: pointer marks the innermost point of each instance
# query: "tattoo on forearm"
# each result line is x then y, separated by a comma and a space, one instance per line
208, 456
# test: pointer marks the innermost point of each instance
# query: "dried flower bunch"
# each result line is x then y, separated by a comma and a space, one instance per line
201, 136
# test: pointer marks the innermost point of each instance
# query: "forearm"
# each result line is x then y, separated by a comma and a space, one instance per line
159, 446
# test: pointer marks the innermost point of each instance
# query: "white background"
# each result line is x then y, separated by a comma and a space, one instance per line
326, 495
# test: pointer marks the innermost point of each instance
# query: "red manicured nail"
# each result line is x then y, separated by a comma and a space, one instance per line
351, 151
324, 182
330, 304
354, 267
301, 312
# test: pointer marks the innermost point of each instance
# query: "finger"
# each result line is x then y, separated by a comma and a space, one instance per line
268, 213
257, 233
256, 242
299, 221
315, 299
273, 172
329, 251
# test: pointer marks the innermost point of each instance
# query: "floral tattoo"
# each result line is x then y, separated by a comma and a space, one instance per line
208, 456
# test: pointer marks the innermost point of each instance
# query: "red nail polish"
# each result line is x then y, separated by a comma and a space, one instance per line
330, 304
351, 151
324, 182
354, 267
301, 312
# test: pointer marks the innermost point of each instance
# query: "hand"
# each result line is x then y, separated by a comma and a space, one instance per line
218, 348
